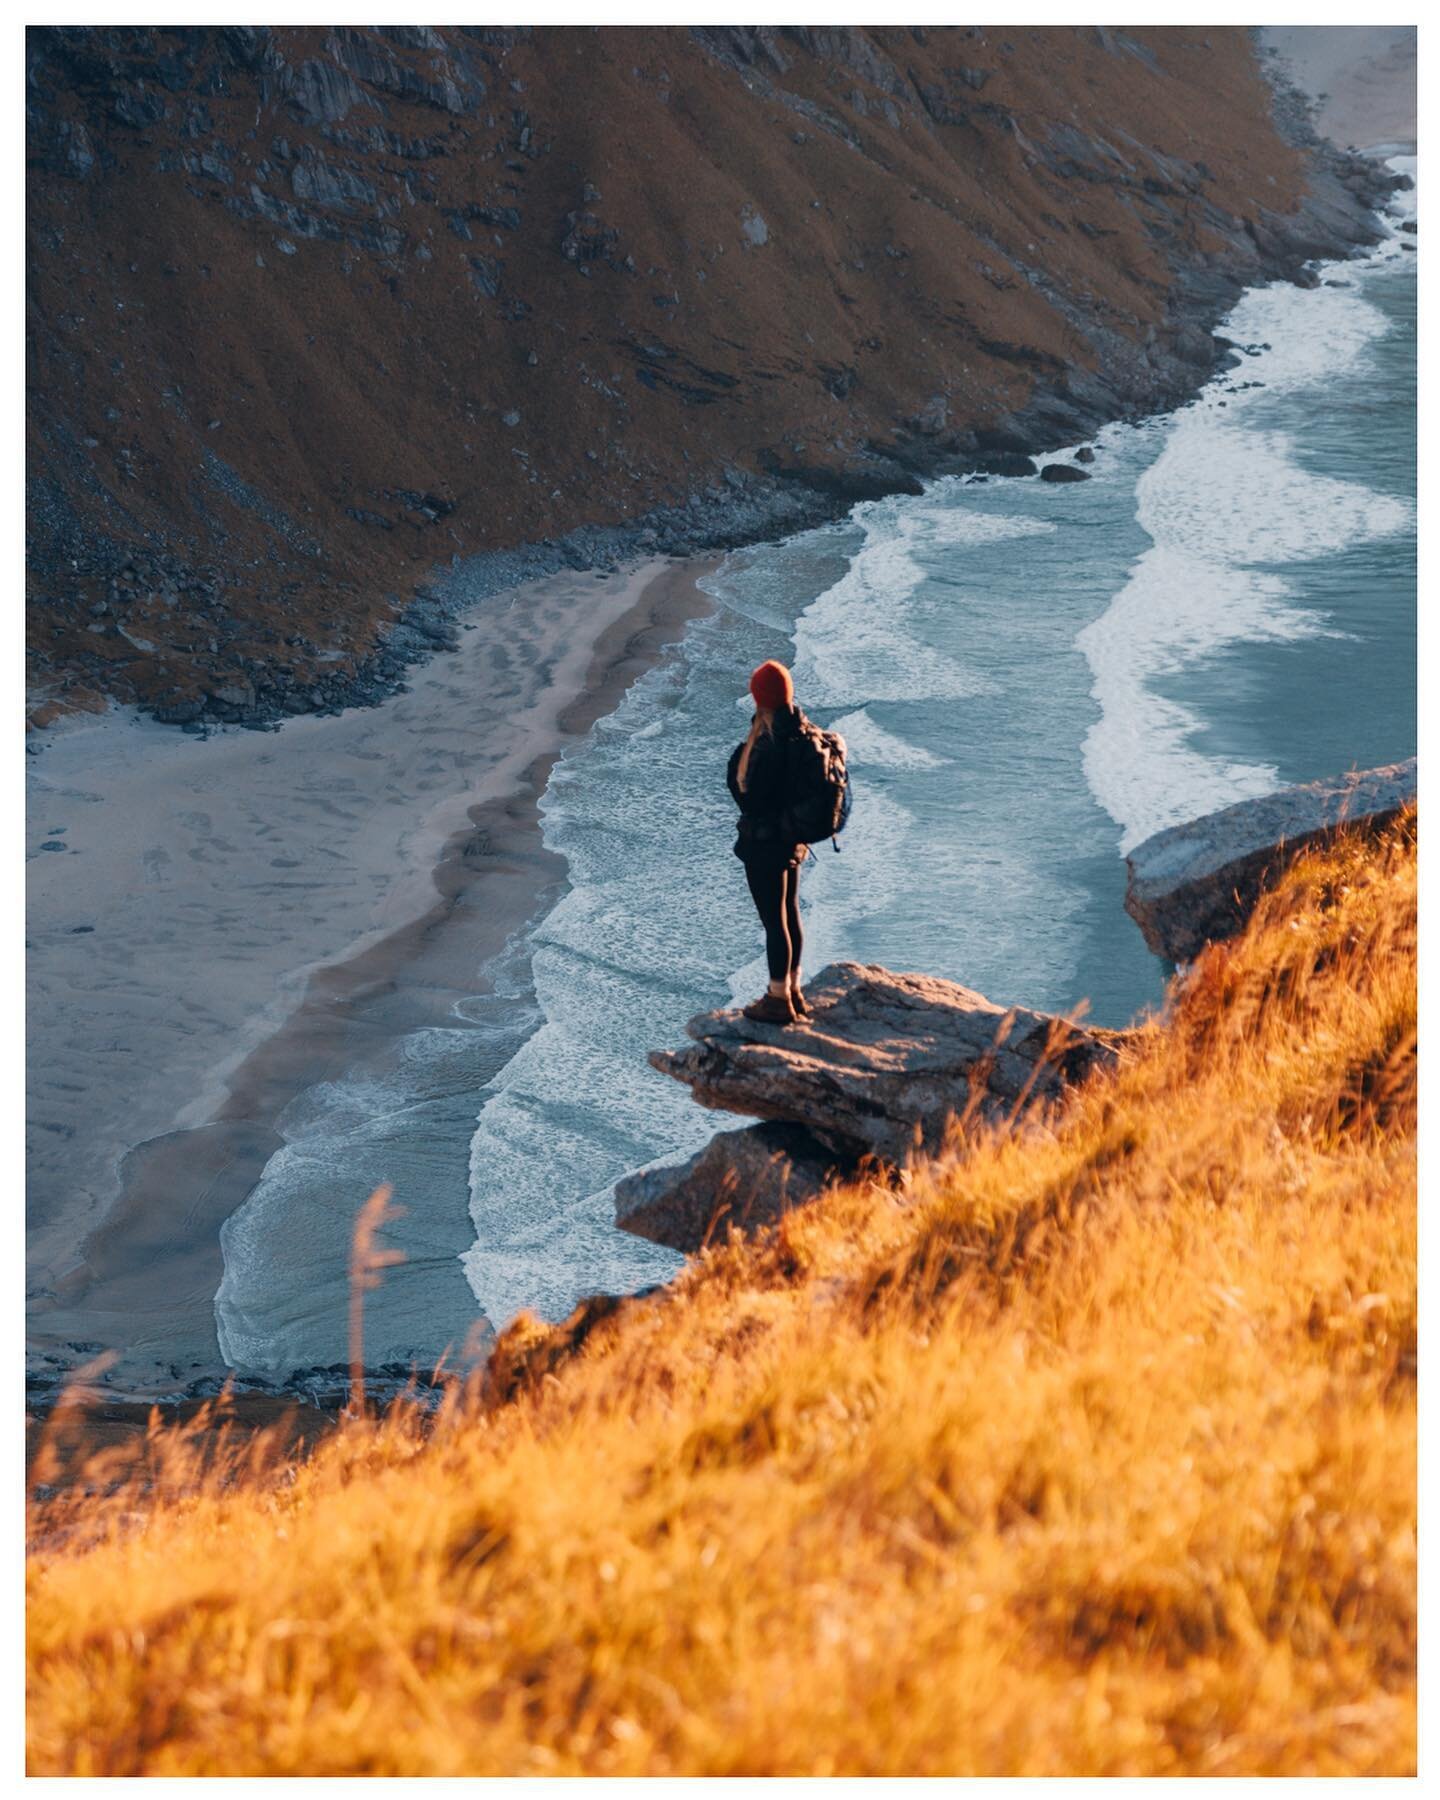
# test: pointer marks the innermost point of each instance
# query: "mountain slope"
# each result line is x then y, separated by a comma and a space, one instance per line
312, 310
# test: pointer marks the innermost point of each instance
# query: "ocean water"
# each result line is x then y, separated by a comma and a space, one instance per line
1031, 678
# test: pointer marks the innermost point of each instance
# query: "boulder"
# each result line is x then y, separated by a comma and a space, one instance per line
1197, 883
238, 694
1063, 472
753, 227
747, 1178
882, 1061
178, 710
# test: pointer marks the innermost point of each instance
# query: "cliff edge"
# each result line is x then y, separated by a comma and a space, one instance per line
887, 1069
879, 1072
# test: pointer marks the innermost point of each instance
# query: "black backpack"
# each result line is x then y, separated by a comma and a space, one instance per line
817, 785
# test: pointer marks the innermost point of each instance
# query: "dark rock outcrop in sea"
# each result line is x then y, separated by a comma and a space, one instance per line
313, 311
1197, 883
878, 1071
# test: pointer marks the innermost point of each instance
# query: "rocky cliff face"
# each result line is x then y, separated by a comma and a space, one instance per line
312, 310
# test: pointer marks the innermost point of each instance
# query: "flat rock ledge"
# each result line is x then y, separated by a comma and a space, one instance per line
876, 1071
1197, 883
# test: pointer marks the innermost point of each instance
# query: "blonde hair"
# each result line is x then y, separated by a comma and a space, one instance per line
761, 722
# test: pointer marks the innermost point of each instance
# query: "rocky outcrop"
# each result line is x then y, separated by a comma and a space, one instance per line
1198, 883
878, 1070
748, 1178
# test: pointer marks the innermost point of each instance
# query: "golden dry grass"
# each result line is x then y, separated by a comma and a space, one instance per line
1092, 1452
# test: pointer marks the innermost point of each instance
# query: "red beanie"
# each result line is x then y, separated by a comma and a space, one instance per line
772, 687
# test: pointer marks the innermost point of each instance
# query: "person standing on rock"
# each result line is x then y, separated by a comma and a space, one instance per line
767, 842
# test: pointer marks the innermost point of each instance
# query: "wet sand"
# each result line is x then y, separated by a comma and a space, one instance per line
1363, 78
230, 922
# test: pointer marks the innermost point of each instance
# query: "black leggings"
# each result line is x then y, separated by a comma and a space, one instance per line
775, 890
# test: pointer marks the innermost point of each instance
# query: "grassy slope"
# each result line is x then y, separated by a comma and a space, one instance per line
1094, 1452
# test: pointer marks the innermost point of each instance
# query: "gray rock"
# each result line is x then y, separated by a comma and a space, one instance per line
939, 106
587, 239
748, 1178
486, 273
882, 1062
208, 166
1063, 472
322, 94
78, 156
178, 712
1198, 883
753, 226
137, 108
503, 218
238, 694
322, 184
371, 63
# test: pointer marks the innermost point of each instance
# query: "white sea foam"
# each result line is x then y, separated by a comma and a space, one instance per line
1294, 337
853, 644
566, 1116
1224, 493
1403, 205
871, 746
577, 1105
1224, 504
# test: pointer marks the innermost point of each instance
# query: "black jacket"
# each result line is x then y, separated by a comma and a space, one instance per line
764, 836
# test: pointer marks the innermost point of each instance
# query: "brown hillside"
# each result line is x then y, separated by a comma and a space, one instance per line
313, 309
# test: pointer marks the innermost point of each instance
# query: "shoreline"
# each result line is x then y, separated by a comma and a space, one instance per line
150, 1267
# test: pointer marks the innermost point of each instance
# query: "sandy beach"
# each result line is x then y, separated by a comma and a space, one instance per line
216, 925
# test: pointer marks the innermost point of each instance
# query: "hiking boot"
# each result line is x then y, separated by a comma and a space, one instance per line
769, 1009
799, 1002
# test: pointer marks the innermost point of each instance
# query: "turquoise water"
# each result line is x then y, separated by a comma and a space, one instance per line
1348, 698
1031, 679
